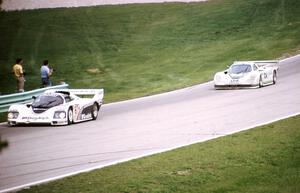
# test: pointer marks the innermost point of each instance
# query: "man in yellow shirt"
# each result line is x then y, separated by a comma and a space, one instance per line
19, 74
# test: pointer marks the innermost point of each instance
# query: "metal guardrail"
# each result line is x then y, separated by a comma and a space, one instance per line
24, 97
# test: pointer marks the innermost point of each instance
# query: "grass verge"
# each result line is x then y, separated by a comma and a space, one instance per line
263, 159
138, 50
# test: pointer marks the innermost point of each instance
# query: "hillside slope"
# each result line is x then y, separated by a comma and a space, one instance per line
137, 50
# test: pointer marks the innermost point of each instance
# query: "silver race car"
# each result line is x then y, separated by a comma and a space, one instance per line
252, 74
58, 107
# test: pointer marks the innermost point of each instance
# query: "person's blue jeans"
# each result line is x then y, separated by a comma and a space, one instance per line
46, 82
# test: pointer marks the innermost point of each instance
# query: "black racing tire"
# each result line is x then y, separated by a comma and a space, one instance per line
95, 111
274, 77
11, 124
260, 82
70, 116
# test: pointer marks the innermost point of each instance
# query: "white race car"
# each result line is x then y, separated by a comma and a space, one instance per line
247, 74
58, 107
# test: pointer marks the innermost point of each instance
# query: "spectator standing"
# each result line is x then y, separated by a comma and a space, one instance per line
19, 74
46, 72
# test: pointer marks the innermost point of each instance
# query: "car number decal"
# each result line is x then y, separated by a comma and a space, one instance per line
76, 111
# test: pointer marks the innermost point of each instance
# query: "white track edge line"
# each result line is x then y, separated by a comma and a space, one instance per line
144, 155
290, 58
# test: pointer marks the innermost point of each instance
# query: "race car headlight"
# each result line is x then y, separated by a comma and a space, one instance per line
12, 115
218, 77
59, 115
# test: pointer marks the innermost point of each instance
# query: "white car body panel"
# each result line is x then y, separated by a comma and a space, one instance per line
81, 108
260, 73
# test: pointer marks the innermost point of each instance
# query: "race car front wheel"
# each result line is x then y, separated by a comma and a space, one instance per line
95, 111
274, 77
70, 116
260, 83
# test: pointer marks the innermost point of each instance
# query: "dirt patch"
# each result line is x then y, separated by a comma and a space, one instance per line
94, 70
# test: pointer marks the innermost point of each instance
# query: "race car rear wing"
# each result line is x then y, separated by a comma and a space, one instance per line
262, 63
97, 93
267, 63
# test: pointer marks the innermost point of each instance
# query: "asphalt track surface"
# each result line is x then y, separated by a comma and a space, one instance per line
11, 5
144, 126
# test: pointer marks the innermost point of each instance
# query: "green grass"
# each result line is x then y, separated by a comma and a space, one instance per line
260, 160
3, 117
138, 50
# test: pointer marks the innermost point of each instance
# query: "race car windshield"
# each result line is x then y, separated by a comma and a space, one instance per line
44, 101
240, 68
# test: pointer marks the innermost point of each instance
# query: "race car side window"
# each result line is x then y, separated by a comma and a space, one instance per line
255, 67
248, 69
68, 98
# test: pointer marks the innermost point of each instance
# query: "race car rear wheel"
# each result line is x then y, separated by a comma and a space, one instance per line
12, 123
70, 116
274, 77
260, 83
95, 111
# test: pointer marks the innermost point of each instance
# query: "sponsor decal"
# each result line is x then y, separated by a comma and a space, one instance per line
35, 118
234, 81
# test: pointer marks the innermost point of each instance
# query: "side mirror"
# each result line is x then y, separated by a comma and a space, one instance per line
226, 72
33, 97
